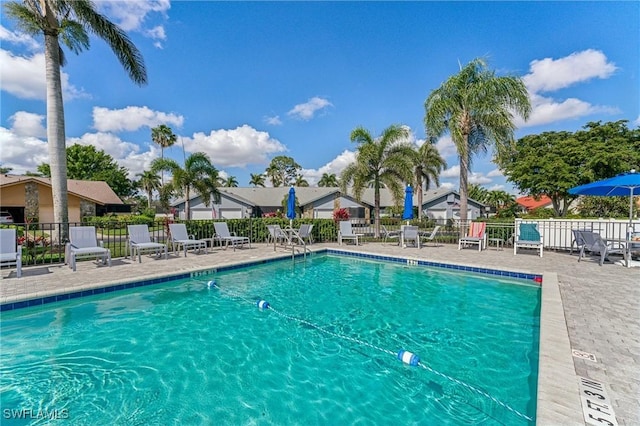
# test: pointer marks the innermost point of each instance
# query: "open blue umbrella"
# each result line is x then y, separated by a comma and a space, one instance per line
625, 184
291, 206
407, 213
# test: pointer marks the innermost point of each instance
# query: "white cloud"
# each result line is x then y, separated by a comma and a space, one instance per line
24, 77
497, 188
451, 172
446, 147
478, 178
552, 74
27, 124
637, 121
273, 121
547, 75
22, 153
335, 166
135, 15
495, 173
132, 118
235, 147
307, 110
448, 185
19, 39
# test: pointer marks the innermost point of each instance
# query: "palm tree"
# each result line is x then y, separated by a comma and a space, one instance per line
257, 179
476, 107
498, 199
328, 179
69, 21
149, 182
300, 181
230, 182
386, 161
198, 173
164, 137
428, 166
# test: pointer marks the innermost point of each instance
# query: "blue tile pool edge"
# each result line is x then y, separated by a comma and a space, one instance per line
141, 283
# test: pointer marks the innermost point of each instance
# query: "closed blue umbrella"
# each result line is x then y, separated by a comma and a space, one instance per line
407, 213
291, 205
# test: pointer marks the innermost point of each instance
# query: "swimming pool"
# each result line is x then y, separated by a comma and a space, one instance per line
324, 354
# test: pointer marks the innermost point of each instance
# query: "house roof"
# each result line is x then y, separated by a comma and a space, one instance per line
531, 203
271, 197
98, 192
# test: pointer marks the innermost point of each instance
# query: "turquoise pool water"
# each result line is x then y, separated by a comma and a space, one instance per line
183, 353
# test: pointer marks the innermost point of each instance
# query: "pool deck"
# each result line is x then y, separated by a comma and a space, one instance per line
585, 307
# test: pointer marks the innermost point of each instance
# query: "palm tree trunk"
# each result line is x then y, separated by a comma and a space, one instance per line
419, 187
187, 204
150, 194
376, 210
56, 138
464, 187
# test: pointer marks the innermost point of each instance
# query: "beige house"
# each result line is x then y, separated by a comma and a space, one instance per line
29, 198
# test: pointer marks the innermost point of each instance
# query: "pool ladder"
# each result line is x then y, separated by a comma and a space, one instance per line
294, 247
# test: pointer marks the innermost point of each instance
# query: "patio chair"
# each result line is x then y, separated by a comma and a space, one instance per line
305, 233
476, 235
277, 235
224, 236
140, 241
346, 233
83, 243
433, 236
386, 234
410, 233
578, 240
595, 244
179, 237
528, 236
10, 250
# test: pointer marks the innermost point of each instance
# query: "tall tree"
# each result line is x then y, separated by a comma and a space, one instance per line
428, 166
69, 21
282, 170
85, 162
164, 137
386, 160
230, 182
328, 180
149, 182
257, 179
300, 181
476, 107
477, 192
198, 174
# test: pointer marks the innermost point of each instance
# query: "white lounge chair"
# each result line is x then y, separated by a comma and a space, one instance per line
277, 235
140, 241
528, 236
179, 238
410, 233
433, 236
10, 251
84, 243
476, 235
346, 233
224, 236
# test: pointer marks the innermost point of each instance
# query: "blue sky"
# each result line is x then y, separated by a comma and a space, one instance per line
247, 81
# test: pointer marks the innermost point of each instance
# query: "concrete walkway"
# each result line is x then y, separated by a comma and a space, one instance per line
597, 308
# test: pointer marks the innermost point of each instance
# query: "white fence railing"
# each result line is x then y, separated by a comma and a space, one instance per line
557, 233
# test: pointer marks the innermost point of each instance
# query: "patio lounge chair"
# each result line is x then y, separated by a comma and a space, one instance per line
410, 233
476, 235
386, 234
346, 233
10, 251
140, 241
84, 243
305, 233
277, 235
528, 236
433, 236
595, 244
179, 237
224, 236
